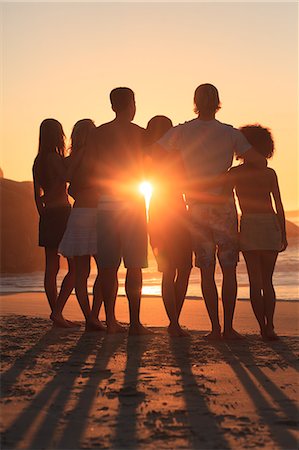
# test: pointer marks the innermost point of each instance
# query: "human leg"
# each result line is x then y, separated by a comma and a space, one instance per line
109, 287
133, 229
254, 269
66, 288
210, 295
93, 323
204, 247
82, 267
229, 296
133, 288
50, 277
181, 286
169, 296
268, 261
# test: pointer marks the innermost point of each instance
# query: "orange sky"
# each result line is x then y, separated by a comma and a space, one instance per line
62, 60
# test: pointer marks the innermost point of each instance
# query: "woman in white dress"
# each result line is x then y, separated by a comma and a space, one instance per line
79, 240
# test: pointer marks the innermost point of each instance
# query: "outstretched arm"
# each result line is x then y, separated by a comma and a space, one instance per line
279, 209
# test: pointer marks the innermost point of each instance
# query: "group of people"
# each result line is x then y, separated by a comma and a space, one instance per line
192, 212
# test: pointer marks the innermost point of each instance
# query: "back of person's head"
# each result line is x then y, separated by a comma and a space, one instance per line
260, 138
80, 132
206, 99
51, 138
157, 127
121, 98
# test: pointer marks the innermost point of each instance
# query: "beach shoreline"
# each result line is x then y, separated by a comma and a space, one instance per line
194, 315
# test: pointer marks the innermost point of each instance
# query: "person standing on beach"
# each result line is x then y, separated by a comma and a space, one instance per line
117, 149
79, 240
262, 230
52, 203
207, 148
168, 226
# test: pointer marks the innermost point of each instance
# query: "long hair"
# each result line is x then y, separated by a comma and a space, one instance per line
51, 137
51, 140
80, 132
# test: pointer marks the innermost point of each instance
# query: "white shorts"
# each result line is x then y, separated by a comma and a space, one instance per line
260, 232
80, 237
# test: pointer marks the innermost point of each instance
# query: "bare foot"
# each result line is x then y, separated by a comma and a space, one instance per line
95, 325
215, 335
232, 335
72, 324
59, 321
177, 330
271, 336
138, 330
115, 328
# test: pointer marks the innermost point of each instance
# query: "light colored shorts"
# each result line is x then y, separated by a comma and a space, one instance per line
260, 232
122, 234
214, 231
80, 237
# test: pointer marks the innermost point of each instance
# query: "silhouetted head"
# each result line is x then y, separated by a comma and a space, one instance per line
206, 100
51, 137
123, 102
157, 127
80, 132
260, 138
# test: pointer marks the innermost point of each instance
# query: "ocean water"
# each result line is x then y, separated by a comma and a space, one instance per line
286, 278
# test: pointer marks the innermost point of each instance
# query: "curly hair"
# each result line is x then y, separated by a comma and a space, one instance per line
260, 138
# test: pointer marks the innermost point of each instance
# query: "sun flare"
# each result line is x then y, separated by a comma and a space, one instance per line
146, 189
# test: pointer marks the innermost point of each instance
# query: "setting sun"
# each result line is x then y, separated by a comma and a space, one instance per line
146, 190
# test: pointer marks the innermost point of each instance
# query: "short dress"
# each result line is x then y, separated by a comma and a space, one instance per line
260, 231
80, 237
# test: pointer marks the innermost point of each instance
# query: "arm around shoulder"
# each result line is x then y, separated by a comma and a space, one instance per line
256, 159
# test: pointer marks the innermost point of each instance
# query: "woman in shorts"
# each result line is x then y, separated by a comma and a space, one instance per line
262, 229
52, 203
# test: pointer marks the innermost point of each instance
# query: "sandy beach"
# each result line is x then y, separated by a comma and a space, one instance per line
66, 389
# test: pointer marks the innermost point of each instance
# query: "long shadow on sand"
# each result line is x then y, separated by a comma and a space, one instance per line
37, 424
75, 426
26, 361
256, 383
285, 348
199, 416
129, 396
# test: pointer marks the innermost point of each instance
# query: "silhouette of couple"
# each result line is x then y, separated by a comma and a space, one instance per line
192, 210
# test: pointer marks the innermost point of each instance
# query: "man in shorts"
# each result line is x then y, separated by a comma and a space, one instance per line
122, 229
207, 148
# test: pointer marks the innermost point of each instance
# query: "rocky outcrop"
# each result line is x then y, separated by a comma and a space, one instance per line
19, 228
292, 229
